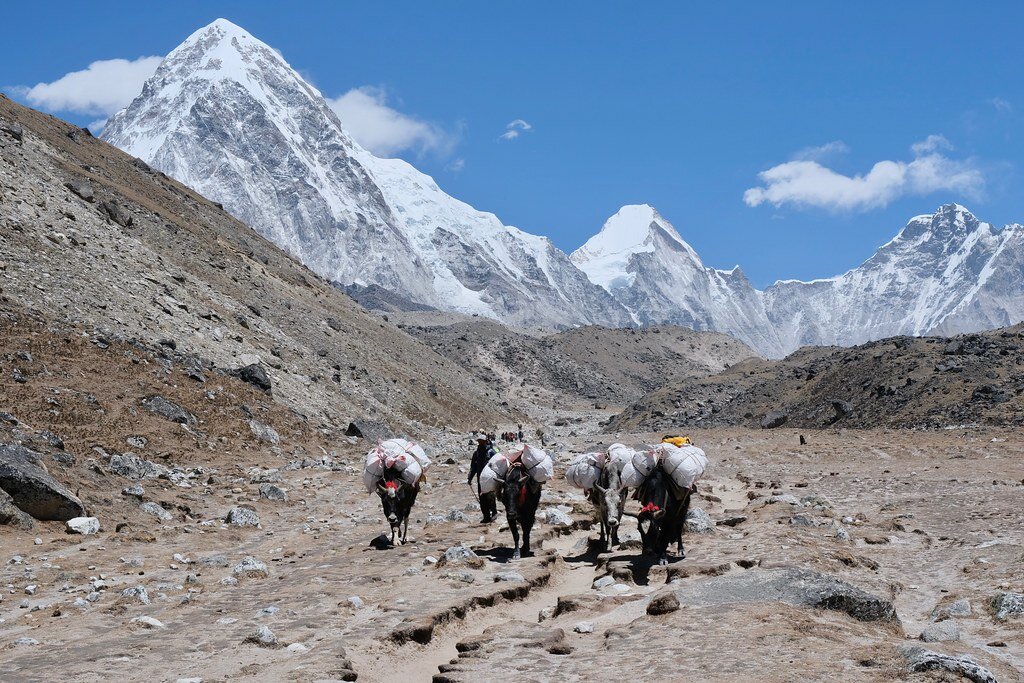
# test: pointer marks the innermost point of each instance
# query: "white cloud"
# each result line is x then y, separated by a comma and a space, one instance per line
365, 114
1002, 106
104, 87
514, 128
822, 152
456, 165
807, 183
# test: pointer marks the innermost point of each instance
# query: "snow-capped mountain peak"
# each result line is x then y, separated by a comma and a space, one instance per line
226, 115
634, 229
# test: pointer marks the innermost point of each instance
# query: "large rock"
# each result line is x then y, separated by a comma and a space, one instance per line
255, 375
84, 525
32, 489
240, 516
774, 419
460, 555
698, 522
82, 188
371, 430
133, 467
943, 631
169, 410
1008, 605
116, 213
920, 659
800, 587
264, 432
10, 515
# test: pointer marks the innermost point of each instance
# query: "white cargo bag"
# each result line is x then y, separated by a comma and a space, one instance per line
543, 470
620, 454
374, 462
530, 457
370, 481
685, 464
411, 472
630, 476
393, 448
585, 470
493, 473
645, 461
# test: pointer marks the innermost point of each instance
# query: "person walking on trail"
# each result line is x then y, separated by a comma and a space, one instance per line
483, 453
520, 434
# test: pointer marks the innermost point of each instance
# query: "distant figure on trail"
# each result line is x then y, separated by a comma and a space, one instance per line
483, 453
520, 433
540, 437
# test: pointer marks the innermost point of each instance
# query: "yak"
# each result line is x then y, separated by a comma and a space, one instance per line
609, 499
663, 508
397, 498
520, 495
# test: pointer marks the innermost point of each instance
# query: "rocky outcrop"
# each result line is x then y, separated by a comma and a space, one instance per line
32, 489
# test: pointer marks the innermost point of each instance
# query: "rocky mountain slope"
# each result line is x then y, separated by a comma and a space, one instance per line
602, 365
930, 382
227, 116
91, 235
943, 273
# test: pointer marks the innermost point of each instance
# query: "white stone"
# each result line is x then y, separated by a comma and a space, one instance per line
83, 525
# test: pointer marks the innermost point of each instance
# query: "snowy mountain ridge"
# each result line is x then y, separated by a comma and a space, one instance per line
226, 115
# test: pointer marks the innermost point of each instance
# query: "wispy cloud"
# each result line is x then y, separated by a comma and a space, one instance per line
822, 152
102, 88
807, 183
514, 128
1002, 106
456, 165
367, 116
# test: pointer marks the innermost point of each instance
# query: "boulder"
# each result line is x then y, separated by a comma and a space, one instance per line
13, 129
1008, 605
371, 430
32, 488
800, 587
83, 525
156, 510
663, 603
920, 659
263, 637
240, 516
942, 632
82, 188
271, 492
255, 375
169, 410
135, 594
556, 517
958, 608
774, 419
11, 515
460, 555
698, 522
264, 432
251, 568
133, 467
116, 213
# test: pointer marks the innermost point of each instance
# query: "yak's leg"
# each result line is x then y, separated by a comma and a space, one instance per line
405, 530
682, 527
513, 526
527, 525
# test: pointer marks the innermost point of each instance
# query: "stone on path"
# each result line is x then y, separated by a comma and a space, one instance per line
83, 525
263, 637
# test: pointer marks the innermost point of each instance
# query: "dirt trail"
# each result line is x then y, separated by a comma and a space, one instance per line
377, 661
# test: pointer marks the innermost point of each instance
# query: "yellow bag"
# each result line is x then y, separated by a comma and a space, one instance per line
677, 441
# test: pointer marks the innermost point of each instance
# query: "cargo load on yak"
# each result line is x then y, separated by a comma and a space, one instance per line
585, 470
538, 465
683, 464
407, 458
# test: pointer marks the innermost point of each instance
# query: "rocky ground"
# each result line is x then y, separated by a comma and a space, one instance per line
839, 558
581, 365
908, 382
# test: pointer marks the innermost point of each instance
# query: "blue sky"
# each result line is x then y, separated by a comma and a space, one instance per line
681, 107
